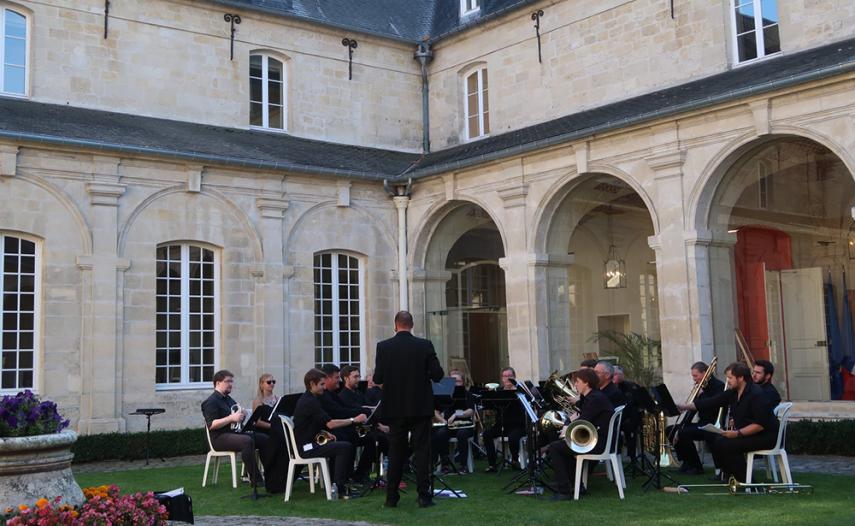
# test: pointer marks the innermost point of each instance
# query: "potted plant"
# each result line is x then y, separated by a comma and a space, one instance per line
35, 452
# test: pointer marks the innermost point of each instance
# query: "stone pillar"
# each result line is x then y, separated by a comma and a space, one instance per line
270, 295
550, 280
429, 295
103, 272
519, 295
401, 204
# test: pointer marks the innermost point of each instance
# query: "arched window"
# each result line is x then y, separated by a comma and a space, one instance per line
266, 92
187, 309
13, 49
339, 319
19, 323
476, 106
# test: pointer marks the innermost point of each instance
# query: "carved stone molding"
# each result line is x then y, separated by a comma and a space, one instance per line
105, 194
271, 208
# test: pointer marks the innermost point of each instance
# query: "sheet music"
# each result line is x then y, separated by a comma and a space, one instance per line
712, 429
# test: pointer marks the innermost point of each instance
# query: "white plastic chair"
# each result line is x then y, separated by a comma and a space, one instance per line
297, 460
217, 455
470, 459
523, 460
610, 454
782, 411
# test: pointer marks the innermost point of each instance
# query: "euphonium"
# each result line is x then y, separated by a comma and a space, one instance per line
562, 392
236, 408
552, 421
581, 437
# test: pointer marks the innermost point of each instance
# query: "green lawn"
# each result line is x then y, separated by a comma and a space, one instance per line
488, 504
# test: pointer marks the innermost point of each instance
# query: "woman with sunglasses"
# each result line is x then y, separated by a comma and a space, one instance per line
266, 383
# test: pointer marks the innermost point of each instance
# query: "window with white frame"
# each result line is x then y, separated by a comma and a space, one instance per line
468, 7
13, 49
338, 310
476, 104
266, 92
755, 29
187, 315
19, 268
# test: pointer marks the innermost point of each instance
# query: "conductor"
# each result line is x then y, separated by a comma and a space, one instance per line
405, 367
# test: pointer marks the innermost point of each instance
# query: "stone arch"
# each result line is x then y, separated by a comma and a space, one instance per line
433, 217
548, 207
238, 214
703, 192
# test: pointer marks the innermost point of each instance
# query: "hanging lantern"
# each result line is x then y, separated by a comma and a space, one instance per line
850, 241
614, 271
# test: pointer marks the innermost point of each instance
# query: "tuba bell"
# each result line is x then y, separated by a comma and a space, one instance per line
581, 437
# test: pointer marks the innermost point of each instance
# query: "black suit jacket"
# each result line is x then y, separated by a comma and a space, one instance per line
405, 367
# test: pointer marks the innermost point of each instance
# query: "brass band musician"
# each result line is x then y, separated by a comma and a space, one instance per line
512, 426
751, 426
684, 439
310, 421
762, 376
461, 411
595, 408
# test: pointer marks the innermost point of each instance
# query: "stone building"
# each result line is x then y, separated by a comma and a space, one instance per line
259, 185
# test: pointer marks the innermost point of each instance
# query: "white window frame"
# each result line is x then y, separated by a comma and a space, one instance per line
37, 306
265, 96
185, 318
479, 71
469, 7
3, 10
759, 37
334, 285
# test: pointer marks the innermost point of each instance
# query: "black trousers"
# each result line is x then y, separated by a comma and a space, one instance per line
368, 443
563, 463
729, 453
242, 443
339, 454
514, 435
685, 448
442, 437
419, 429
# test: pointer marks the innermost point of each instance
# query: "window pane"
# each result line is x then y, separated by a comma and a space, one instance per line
16, 51
771, 40
486, 123
25, 340
16, 24
274, 69
747, 47
255, 66
473, 127
28, 264
274, 93
25, 360
769, 10
472, 84
13, 81
255, 90
10, 302
255, 115
275, 117
10, 245
745, 18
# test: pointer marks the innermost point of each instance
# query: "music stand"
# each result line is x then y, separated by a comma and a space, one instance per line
148, 413
532, 477
442, 399
662, 404
500, 401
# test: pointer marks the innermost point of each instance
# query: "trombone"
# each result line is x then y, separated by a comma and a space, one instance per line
734, 487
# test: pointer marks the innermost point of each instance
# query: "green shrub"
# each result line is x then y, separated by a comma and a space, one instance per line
809, 437
131, 446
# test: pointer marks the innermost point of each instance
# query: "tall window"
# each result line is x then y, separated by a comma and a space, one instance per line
13, 49
19, 320
476, 105
755, 24
266, 92
338, 310
187, 316
468, 7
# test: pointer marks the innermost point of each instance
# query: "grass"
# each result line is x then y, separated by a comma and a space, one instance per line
489, 504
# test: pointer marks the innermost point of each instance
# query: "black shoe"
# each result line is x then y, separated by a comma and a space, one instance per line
491, 469
561, 496
426, 503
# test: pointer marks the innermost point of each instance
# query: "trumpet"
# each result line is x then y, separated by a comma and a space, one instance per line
362, 430
322, 438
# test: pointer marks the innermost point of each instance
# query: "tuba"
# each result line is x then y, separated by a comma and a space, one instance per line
562, 392
581, 437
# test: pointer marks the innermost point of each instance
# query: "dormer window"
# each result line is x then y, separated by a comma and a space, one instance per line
755, 29
13, 49
469, 7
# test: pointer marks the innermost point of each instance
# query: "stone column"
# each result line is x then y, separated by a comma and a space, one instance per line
401, 204
103, 272
551, 308
429, 294
523, 355
270, 295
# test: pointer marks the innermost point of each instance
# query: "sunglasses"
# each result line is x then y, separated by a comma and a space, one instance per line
271, 382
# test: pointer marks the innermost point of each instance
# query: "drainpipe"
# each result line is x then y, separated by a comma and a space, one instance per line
424, 55
401, 197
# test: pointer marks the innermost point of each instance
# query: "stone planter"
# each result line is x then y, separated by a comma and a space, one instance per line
35, 467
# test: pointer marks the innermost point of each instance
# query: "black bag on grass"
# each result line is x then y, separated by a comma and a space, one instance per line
179, 507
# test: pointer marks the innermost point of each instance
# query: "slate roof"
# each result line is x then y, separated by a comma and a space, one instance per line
34, 122
404, 20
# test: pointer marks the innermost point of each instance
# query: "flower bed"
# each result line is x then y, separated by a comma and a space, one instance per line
103, 505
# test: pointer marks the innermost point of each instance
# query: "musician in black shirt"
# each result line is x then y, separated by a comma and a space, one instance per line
310, 419
751, 426
632, 413
460, 411
684, 439
217, 410
513, 422
605, 371
336, 408
595, 408
762, 376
